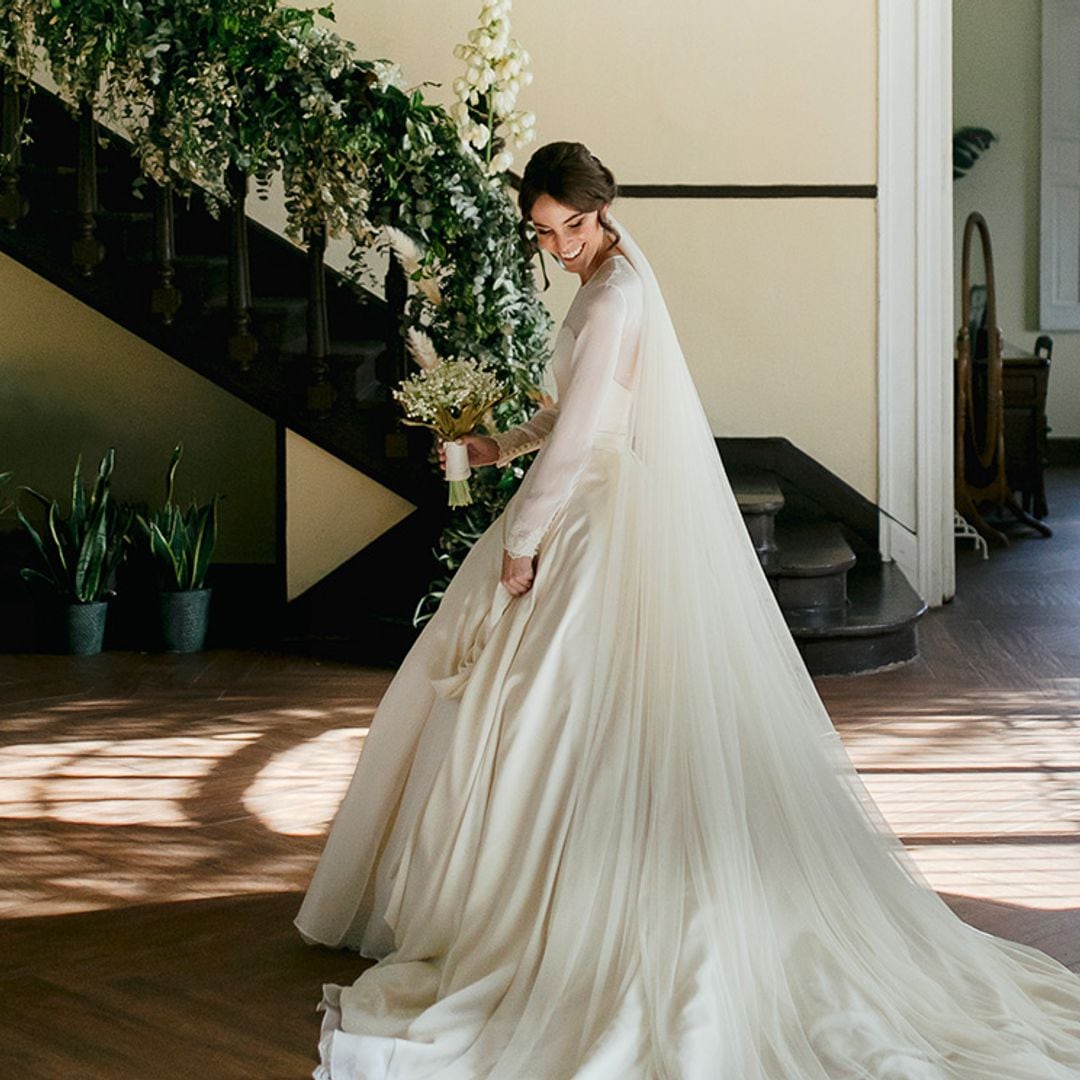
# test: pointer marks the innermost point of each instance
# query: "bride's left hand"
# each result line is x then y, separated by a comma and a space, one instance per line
517, 574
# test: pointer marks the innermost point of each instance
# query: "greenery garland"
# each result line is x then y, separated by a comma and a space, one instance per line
207, 88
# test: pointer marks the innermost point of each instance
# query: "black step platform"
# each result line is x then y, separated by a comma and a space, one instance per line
879, 627
847, 611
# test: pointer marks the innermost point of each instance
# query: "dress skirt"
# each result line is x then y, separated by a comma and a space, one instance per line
547, 900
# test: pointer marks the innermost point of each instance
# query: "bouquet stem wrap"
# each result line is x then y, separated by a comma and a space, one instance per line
457, 472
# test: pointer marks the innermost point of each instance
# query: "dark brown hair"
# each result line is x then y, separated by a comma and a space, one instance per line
570, 175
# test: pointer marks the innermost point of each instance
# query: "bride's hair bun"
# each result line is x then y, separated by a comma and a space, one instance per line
572, 175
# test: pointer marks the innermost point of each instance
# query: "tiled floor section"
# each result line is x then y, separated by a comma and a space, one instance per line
160, 815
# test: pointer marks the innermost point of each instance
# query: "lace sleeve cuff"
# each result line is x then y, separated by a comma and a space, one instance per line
513, 443
526, 437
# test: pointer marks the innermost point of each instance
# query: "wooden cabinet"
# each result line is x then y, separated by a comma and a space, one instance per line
1026, 378
1024, 384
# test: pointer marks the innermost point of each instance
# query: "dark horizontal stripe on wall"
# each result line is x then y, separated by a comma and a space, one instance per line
738, 191
748, 191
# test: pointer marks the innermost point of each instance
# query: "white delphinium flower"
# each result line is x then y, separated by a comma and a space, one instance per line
495, 73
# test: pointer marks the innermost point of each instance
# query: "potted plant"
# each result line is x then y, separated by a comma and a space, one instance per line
181, 543
79, 555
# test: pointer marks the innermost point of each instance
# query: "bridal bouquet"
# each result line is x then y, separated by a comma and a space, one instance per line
450, 397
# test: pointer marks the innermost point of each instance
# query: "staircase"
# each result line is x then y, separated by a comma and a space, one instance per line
267, 322
847, 610
332, 391
256, 315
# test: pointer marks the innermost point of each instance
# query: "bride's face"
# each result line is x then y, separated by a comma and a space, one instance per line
574, 237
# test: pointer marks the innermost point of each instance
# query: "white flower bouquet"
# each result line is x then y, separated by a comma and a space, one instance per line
450, 397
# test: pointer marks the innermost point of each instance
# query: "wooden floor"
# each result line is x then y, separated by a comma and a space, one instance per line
160, 816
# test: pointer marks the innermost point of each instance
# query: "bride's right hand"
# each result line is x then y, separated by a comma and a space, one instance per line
482, 450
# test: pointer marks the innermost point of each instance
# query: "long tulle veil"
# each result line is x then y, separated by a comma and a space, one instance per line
722, 840
721, 896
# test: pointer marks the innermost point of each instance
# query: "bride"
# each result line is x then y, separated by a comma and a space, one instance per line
602, 826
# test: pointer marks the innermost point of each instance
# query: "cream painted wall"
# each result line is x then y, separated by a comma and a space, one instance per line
774, 300
776, 315
331, 512
73, 382
996, 46
691, 91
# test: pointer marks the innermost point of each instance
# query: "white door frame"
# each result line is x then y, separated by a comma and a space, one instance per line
915, 293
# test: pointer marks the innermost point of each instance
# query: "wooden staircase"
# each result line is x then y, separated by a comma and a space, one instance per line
350, 413
848, 612
323, 354
815, 537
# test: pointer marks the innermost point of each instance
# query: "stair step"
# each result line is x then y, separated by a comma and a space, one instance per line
817, 549
757, 492
760, 500
879, 625
808, 571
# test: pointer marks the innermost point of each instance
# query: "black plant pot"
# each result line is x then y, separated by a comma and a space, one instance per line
184, 618
79, 629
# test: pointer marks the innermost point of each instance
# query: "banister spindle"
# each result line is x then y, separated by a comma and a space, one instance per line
86, 250
242, 342
397, 292
391, 369
165, 298
319, 389
12, 205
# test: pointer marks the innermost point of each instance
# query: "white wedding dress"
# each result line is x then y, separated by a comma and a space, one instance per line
606, 831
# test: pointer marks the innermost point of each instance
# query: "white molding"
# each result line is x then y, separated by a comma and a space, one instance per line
896, 284
934, 275
915, 291
1059, 168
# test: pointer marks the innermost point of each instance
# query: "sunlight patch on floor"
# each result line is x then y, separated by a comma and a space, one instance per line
983, 789
120, 782
298, 791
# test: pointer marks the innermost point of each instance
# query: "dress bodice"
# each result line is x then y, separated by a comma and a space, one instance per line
591, 374
614, 412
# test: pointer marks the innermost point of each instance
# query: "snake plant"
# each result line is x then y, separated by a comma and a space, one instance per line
181, 541
81, 552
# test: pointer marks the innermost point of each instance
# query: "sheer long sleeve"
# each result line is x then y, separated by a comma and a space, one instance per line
522, 438
555, 470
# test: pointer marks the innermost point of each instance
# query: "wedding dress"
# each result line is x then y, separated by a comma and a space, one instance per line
606, 830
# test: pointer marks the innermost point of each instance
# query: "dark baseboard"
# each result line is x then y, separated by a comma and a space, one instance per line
811, 492
1063, 451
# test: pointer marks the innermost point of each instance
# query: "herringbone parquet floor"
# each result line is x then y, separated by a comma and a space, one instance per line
160, 816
